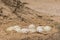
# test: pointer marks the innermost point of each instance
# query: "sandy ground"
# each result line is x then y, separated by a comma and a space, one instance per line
51, 7
30, 15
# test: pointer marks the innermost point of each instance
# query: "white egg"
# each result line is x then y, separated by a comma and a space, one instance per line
32, 30
15, 28
31, 26
10, 28
40, 29
24, 30
47, 28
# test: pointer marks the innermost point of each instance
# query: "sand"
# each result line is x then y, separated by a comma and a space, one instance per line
24, 17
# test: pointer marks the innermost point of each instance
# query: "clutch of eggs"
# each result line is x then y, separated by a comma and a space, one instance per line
31, 28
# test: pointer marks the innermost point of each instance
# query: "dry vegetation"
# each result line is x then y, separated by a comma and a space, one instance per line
14, 12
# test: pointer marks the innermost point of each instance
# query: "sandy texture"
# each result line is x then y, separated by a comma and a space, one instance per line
50, 7
24, 16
